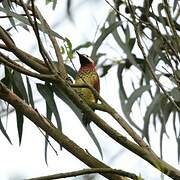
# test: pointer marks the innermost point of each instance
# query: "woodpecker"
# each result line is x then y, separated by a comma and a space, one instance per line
87, 74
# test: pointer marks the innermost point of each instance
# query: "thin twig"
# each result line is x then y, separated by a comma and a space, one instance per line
60, 67
8, 16
42, 50
117, 11
34, 26
171, 23
87, 171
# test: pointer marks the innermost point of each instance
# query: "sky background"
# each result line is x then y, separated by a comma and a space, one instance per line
28, 159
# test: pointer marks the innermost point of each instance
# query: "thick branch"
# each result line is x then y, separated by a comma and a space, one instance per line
145, 153
15, 66
52, 131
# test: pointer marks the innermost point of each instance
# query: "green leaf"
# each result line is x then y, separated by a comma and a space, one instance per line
152, 108
25, 21
78, 113
174, 124
85, 45
175, 93
122, 91
93, 137
49, 116
134, 96
19, 89
8, 7
127, 33
47, 93
101, 38
125, 46
167, 108
19, 85
154, 52
106, 68
7, 80
123, 96
163, 130
68, 47
20, 122
162, 19
175, 5
178, 146
4, 132
131, 43
46, 148
54, 4
30, 94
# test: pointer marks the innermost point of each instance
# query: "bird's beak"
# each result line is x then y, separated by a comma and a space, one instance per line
78, 53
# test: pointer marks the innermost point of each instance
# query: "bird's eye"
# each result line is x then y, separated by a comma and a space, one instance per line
86, 55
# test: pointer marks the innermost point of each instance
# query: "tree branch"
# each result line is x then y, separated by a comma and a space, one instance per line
15, 66
87, 171
26, 58
52, 131
61, 68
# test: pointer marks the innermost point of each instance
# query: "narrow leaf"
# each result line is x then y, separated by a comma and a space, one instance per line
85, 45
175, 5
105, 68
131, 43
174, 124
178, 146
4, 132
19, 89
19, 84
124, 46
54, 4
134, 96
7, 6
150, 110
175, 93
25, 21
93, 137
7, 80
20, 122
101, 38
47, 93
30, 94
49, 116
123, 96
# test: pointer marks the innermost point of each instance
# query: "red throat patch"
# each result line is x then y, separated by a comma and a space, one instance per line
88, 67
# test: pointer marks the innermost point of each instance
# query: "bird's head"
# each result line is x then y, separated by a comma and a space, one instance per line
85, 59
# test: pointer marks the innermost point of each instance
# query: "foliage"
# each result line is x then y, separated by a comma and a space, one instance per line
148, 35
